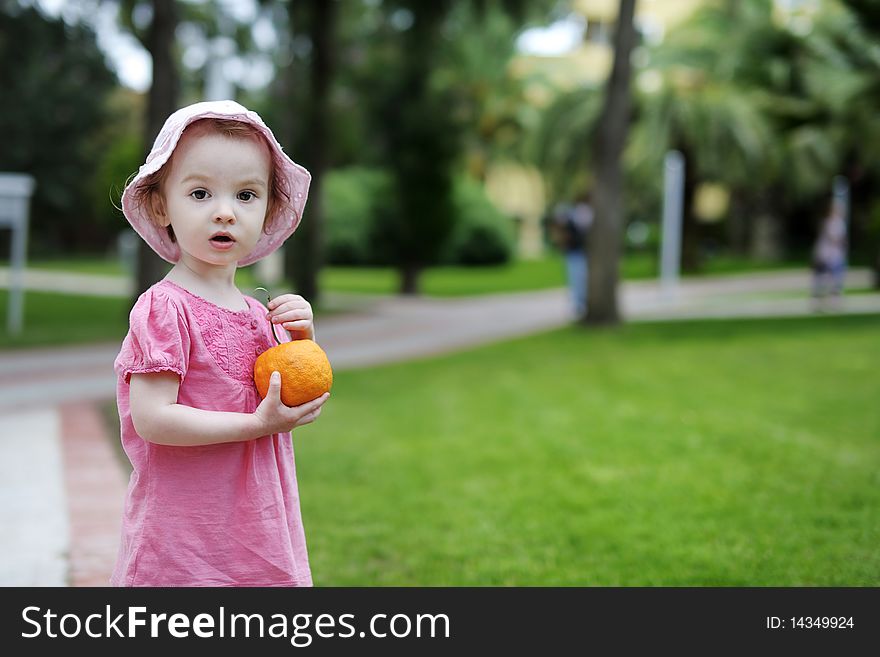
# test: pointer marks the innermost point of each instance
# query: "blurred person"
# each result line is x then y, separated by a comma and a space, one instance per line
829, 259
213, 497
569, 226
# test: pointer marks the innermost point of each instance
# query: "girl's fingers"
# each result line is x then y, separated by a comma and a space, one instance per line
311, 417
312, 410
293, 326
308, 407
290, 315
287, 302
277, 301
318, 402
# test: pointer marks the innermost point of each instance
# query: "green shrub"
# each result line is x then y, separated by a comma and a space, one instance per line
483, 235
350, 196
354, 196
119, 161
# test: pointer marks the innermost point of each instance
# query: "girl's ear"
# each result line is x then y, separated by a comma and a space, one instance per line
157, 209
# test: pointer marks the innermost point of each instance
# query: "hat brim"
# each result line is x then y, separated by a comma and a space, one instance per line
293, 180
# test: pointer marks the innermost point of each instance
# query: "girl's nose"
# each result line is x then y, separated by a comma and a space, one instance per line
225, 214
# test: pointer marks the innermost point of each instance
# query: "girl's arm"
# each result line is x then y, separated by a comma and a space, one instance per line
158, 418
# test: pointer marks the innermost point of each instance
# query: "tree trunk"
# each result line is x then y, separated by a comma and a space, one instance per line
409, 279
690, 229
606, 233
161, 102
308, 247
738, 223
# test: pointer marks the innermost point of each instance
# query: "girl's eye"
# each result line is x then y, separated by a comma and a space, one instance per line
246, 196
199, 194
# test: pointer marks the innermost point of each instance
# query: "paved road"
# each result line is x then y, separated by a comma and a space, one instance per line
388, 329
62, 484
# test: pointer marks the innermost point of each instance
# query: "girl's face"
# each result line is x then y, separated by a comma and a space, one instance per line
216, 196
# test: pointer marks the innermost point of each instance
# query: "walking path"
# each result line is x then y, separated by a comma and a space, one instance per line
62, 482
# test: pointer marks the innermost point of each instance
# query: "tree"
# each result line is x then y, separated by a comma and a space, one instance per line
857, 111
422, 113
305, 258
751, 104
489, 100
718, 82
55, 84
159, 39
392, 84
722, 134
605, 234
562, 142
421, 142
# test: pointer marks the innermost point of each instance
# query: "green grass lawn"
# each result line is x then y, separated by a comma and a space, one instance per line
729, 453
58, 319
520, 275
441, 281
803, 294
523, 275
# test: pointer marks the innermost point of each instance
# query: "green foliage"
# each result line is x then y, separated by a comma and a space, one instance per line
355, 197
419, 141
483, 235
716, 74
120, 160
487, 99
55, 319
350, 199
561, 146
55, 83
770, 110
440, 92
413, 222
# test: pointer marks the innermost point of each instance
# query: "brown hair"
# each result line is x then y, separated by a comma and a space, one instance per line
148, 194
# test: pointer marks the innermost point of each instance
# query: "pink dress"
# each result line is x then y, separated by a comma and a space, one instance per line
215, 515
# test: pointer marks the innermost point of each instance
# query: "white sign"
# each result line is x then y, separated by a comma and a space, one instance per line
15, 196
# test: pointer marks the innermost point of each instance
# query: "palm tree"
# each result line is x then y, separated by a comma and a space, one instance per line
562, 141
719, 129
747, 100
490, 100
705, 103
852, 45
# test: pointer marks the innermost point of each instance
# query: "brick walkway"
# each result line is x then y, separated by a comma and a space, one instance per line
62, 483
95, 484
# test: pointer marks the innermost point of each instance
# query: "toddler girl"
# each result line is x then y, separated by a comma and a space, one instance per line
212, 499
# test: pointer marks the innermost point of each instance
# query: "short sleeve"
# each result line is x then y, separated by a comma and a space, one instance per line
158, 338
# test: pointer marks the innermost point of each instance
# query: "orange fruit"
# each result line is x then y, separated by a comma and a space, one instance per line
305, 371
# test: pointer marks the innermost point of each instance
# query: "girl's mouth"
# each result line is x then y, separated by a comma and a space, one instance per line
222, 242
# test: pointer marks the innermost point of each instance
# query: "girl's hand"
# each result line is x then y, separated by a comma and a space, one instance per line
294, 314
274, 417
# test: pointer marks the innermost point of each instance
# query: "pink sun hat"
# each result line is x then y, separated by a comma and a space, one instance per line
294, 180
